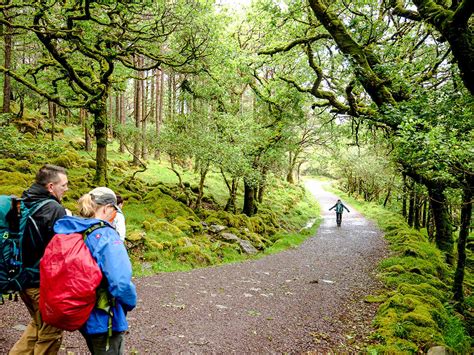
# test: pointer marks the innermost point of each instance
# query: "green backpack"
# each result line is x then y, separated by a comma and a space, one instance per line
14, 216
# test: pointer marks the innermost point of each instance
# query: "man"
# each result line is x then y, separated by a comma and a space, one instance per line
51, 184
339, 209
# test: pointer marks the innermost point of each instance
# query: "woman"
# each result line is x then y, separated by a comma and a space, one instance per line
100, 205
339, 206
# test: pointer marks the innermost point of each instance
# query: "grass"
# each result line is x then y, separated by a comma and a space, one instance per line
415, 312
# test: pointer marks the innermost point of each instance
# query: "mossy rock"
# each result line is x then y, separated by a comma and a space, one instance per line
376, 298
188, 225
24, 166
130, 196
194, 255
162, 226
423, 290
154, 245
14, 183
396, 269
164, 206
135, 236
420, 317
69, 159
257, 225
183, 242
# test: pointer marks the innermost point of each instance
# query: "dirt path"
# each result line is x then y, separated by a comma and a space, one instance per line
304, 299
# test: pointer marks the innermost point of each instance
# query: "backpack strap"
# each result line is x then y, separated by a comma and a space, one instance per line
103, 301
37, 205
92, 228
31, 211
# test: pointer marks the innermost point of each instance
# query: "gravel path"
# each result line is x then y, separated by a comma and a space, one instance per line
308, 299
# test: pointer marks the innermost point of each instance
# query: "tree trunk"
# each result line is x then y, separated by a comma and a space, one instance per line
231, 205
424, 217
416, 212
138, 115
404, 197
111, 116
160, 84
387, 197
170, 108
298, 171
250, 207
146, 113
411, 207
466, 214
443, 232
291, 165
123, 122
203, 173
87, 133
262, 186
100, 130
52, 118
7, 89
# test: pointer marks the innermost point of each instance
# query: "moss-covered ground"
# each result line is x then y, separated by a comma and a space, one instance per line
416, 311
164, 233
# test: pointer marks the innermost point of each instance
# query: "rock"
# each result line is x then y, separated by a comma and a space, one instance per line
439, 350
229, 237
215, 228
247, 247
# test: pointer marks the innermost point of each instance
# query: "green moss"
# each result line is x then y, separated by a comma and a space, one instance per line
164, 206
376, 298
188, 225
68, 159
162, 226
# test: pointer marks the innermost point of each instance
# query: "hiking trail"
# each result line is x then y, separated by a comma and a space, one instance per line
309, 298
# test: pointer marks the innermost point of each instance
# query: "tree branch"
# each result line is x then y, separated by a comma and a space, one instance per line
295, 43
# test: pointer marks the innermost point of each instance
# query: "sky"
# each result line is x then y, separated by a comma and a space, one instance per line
234, 3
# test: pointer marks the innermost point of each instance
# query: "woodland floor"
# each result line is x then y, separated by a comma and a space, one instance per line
307, 299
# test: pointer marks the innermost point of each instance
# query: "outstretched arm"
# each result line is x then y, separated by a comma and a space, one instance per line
345, 208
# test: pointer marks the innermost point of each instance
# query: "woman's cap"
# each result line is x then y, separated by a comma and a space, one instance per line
104, 196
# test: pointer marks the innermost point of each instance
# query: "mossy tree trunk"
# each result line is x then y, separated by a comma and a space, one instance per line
7, 88
411, 207
232, 187
443, 233
52, 118
204, 168
466, 215
291, 168
99, 110
123, 118
250, 191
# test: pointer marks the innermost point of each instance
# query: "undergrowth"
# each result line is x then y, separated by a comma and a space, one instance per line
415, 312
163, 232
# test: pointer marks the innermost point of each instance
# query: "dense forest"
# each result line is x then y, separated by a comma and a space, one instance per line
199, 111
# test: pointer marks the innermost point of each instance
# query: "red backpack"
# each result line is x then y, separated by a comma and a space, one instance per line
69, 277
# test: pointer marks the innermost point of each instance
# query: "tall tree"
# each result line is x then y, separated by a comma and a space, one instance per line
86, 40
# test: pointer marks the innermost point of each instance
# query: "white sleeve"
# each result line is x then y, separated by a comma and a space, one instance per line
119, 224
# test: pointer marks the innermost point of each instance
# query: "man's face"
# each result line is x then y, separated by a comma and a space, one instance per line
57, 189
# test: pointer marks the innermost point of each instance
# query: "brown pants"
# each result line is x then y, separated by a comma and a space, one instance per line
38, 338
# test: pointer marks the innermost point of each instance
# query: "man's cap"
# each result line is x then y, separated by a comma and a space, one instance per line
104, 196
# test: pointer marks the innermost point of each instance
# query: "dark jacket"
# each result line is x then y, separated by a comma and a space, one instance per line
339, 207
34, 244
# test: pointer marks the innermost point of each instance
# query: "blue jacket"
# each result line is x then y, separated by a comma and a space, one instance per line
111, 256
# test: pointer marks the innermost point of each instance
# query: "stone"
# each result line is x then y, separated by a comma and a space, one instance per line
215, 228
247, 247
439, 350
230, 237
